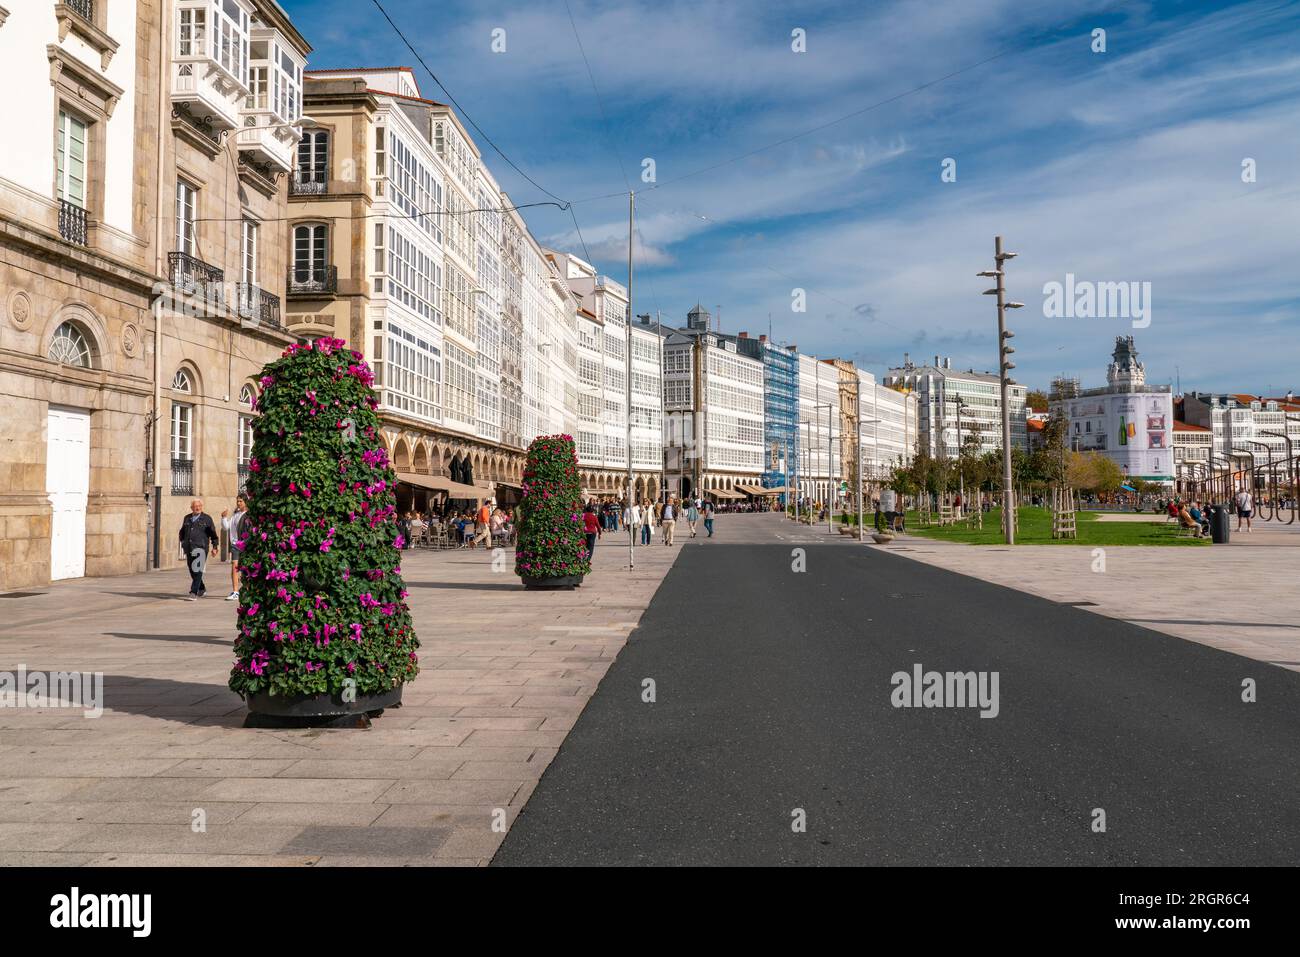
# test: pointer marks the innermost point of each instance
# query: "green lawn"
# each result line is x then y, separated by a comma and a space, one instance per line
1036, 529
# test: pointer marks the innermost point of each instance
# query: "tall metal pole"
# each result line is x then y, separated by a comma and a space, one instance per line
830, 465
859, 439
627, 319
1008, 494
663, 468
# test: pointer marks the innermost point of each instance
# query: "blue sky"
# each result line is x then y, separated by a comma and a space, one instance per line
1122, 166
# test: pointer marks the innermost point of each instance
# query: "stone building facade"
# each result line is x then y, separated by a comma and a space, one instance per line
135, 310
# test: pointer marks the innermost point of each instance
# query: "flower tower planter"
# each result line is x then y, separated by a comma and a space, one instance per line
551, 550
324, 628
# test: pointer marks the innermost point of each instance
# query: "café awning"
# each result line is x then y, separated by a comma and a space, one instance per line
751, 489
778, 490
440, 483
723, 493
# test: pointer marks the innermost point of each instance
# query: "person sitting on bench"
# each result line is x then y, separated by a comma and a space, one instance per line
1186, 520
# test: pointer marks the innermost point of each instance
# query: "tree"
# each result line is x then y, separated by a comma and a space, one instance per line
1036, 399
551, 542
322, 603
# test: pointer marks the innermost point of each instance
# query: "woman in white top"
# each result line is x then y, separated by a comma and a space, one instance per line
231, 523
647, 520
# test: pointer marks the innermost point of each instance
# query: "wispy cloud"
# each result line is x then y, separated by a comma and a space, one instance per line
1115, 166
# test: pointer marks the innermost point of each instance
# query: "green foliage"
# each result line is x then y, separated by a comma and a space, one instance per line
1034, 527
551, 541
322, 600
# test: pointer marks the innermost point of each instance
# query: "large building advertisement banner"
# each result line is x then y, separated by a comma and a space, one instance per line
1134, 429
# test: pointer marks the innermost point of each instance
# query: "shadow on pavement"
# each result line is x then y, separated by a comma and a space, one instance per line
195, 639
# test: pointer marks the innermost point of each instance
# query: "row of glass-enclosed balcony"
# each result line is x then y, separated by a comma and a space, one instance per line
231, 73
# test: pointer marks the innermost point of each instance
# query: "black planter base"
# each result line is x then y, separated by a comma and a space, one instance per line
318, 711
560, 581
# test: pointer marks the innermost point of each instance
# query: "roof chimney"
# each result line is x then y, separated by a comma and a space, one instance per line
743, 335
936, 363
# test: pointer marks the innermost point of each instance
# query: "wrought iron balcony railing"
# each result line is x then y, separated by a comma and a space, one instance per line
83, 8
72, 223
256, 303
191, 276
307, 183
317, 279
182, 476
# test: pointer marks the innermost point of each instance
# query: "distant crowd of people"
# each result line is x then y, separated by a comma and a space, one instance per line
610, 516
489, 525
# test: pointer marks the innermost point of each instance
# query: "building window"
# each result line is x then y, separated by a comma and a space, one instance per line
245, 447
192, 35
182, 431
72, 157
309, 252
186, 202
248, 248
69, 347
313, 157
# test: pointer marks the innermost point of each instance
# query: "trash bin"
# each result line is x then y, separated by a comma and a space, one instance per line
1219, 524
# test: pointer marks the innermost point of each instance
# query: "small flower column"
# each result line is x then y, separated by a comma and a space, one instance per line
323, 612
551, 549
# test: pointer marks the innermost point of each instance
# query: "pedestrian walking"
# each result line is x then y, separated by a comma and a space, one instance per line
197, 536
692, 516
669, 521
483, 525
592, 527
631, 515
708, 518
233, 523
1245, 507
647, 521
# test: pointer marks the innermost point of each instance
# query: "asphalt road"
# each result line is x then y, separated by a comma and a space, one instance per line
773, 693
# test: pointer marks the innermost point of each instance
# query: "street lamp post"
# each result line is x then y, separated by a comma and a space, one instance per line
1005, 365
627, 321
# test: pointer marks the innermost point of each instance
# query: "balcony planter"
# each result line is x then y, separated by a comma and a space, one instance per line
306, 707
553, 582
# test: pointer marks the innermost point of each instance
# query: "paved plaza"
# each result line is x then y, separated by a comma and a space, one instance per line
505, 673
772, 694
1241, 597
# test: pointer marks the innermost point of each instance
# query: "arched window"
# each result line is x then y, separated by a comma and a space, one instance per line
182, 435
70, 347
182, 382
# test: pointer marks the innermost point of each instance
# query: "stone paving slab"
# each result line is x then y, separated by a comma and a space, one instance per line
505, 674
1241, 598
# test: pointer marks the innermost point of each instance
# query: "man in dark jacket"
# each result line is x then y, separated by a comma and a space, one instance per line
198, 535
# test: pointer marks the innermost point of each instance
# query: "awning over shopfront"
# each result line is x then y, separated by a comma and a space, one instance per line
440, 483
752, 489
723, 493
778, 490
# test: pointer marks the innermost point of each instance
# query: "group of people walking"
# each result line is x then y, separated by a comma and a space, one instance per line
645, 516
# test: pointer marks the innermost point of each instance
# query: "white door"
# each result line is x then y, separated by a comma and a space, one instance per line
67, 481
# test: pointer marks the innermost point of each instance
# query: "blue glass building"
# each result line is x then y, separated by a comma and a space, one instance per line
780, 408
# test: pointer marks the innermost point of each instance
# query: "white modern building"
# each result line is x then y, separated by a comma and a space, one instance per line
1246, 429
944, 394
602, 317
819, 468
713, 412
